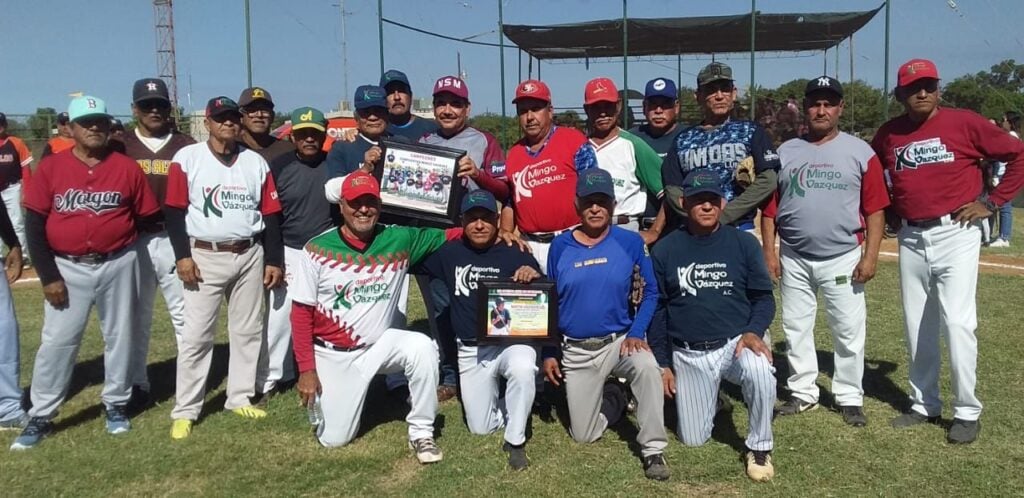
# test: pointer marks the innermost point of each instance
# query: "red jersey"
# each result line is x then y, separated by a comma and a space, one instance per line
543, 183
89, 209
15, 159
934, 166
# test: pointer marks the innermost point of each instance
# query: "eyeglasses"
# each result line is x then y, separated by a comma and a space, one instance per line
153, 104
258, 111
714, 87
927, 84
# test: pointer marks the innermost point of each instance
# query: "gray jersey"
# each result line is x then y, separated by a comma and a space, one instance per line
479, 145
824, 193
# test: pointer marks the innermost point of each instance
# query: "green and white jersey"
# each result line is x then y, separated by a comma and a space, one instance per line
355, 292
635, 168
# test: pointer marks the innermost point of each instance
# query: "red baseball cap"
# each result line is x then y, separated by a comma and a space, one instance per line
533, 89
600, 90
914, 70
452, 85
358, 184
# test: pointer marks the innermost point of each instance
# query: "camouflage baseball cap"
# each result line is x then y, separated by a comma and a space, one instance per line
716, 71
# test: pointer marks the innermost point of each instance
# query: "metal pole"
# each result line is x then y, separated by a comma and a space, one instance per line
501, 59
753, 38
538, 68
679, 69
520, 66
852, 107
380, 33
344, 51
625, 64
837, 59
885, 88
248, 45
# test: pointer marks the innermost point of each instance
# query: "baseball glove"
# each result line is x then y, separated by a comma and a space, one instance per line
744, 174
636, 295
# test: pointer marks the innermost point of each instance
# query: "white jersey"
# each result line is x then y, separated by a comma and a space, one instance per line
635, 169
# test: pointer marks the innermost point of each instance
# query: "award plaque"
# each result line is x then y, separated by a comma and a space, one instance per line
418, 181
511, 313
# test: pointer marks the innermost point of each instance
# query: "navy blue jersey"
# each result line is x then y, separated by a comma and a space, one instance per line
594, 283
706, 282
720, 149
461, 267
415, 129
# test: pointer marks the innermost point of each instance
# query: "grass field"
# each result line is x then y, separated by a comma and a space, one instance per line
816, 454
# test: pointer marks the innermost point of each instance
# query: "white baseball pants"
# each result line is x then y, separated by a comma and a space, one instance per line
345, 377
156, 268
277, 363
480, 370
12, 200
938, 280
846, 312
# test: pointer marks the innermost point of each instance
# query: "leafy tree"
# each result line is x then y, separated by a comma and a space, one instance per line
569, 118
990, 93
504, 128
40, 123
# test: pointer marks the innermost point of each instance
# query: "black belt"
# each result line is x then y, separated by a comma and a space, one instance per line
470, 343
700, 345
929, 223
93, 258
543, 237
646, 223
593, 343
233, 246
324, 344
621, 219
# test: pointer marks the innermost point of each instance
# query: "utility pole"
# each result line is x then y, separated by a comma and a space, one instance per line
248, 45
344, 50
166, 66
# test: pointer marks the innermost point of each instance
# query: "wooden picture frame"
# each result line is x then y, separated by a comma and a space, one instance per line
530, 310
419, 181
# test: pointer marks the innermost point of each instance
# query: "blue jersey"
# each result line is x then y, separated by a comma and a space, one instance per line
720, 149
415, 129
594, 284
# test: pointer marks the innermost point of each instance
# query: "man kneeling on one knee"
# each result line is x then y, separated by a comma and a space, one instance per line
714, 305
345, 293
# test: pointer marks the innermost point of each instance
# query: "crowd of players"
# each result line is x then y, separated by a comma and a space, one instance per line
663, 290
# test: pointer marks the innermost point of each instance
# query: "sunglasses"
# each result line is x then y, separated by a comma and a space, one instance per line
717, 86
153, 105
927, 84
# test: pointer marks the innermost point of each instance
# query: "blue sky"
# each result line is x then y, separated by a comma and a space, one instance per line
52, 48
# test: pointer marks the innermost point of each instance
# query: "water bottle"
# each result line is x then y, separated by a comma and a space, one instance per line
315, 412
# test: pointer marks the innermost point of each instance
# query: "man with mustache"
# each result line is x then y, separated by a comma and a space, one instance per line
257, 108
831, 198
634, 166
401, 121
304, 214
661, 108
83, 206
721, 144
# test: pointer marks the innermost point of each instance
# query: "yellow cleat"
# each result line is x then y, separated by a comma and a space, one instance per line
181, 428
249, 412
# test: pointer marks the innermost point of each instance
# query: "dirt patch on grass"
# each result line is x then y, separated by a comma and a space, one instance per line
404, 472
998, 264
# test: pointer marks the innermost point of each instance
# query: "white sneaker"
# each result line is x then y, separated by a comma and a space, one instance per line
1000, 243
426, 450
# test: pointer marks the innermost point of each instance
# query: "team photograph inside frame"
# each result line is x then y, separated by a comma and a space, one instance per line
416, 181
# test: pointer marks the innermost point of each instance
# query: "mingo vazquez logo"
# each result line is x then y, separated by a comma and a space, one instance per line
697, 276
814, 177
535, 175
922, 152
219, 198
365, 290
468, 276
74, 199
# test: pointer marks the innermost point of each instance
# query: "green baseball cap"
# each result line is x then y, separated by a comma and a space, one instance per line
87, 106
716, 71
307, 117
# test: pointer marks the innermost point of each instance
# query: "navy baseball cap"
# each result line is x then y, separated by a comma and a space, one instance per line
700, 181
479, 199
825, 83
595, 181
661, 87
368, 96
392, 76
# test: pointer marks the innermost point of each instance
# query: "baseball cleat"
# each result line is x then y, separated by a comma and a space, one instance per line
911, 419
117, 420
15, 424
854, 415
516, 456
249, 412
445, 393
656, 468
181, 428
426, 450
36, 429
759, 465
794, 406
963, 431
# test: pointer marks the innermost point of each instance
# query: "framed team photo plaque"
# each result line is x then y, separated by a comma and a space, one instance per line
511, 313
418, 181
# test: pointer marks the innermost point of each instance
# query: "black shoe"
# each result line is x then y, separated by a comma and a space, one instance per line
516, 455
655, 467
614, 401
853, 415
794, 406
963, 431
911, 419
139, 401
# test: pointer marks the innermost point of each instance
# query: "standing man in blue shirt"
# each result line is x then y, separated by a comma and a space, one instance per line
592, 266
401, 121
714, 305
462, 265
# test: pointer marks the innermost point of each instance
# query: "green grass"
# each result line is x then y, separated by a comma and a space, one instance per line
816, 454
1016, 239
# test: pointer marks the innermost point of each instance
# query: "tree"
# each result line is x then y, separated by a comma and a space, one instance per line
42, 122
504, 128
569, 118
990, 93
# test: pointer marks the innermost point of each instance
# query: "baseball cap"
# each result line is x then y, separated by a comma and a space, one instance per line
63, 118
499, 300
595, 181
661, 87
716, 71
221, 105
479, 199
307, 117
824, 83
701, 180
150, 88
250, 95
359, 184
914, 70
600, 90
116, 124
533, 89
370, 96
392, 76
3, 119
452, 85
87, 106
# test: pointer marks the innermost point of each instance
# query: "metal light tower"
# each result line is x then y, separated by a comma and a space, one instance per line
165, 64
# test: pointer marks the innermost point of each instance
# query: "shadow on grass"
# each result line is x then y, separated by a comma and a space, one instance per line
877, 382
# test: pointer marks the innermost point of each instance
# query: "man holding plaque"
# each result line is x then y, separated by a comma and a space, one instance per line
363, 152
462, 265
592, 266
542, 168
345, 292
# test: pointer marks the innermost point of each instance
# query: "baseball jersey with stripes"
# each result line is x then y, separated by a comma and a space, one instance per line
635, 168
